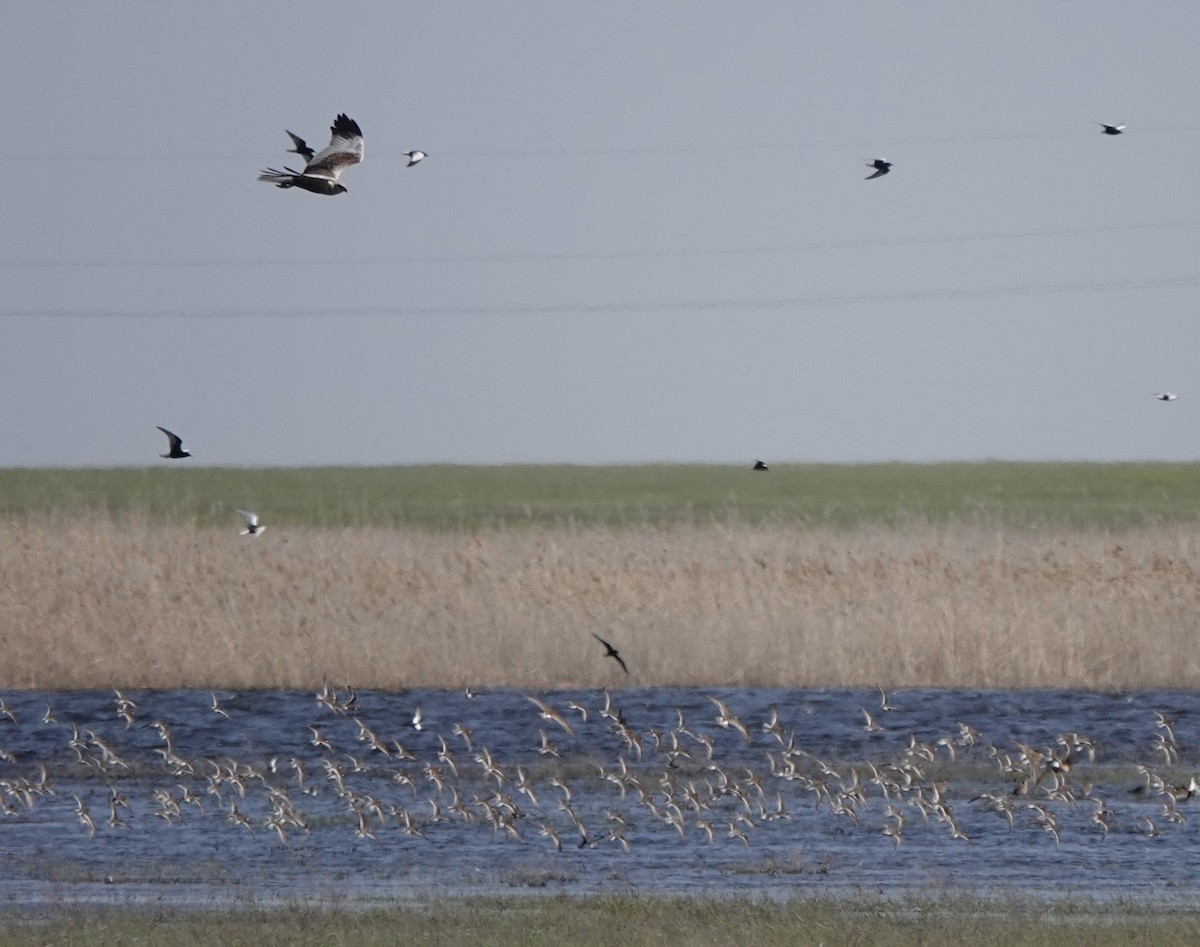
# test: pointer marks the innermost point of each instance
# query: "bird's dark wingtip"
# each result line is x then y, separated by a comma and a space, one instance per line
345, 126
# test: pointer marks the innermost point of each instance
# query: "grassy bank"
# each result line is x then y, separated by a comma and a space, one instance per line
629, 920
469, 498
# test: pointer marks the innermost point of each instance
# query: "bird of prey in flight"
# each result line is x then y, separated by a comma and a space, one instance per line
322, 170
881, 167
176, 446
611, 652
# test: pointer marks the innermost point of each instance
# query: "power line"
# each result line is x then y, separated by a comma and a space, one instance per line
662, 306
533, 257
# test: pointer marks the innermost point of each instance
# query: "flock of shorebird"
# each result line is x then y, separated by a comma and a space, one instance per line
714, 777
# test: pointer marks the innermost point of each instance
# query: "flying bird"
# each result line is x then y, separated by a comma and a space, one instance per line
759, 465
322, 170
611, 652
1111, 129
301, 148
881, 167
1166, 396
253, 528
548, 713
414, 157
176, 443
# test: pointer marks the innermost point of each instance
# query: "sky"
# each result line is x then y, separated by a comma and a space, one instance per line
642, 233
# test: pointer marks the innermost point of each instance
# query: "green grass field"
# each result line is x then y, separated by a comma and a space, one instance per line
629, 920
450, 498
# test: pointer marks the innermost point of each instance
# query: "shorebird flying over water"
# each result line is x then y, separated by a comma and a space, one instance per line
726, 719
322, 170
611, 652
881, 167
176, 445
546, 712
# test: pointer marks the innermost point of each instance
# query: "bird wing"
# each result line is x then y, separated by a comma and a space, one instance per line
344, 149
174, 440
250, 518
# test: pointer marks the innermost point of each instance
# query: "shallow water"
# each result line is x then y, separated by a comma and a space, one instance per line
815, 829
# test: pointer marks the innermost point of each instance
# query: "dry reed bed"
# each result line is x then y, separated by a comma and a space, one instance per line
98, 603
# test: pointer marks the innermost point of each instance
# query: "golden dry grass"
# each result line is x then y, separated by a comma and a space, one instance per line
99, 602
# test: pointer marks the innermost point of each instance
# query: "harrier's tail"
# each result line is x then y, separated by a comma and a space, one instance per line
278, 178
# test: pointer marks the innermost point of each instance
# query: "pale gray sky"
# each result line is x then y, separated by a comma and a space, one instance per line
642, 233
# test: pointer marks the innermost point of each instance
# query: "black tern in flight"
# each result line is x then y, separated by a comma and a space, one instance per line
253, 527
176, 443
414, 157
1111, 129
759, 465
881, 168
1166, 396
611, 652
301, 148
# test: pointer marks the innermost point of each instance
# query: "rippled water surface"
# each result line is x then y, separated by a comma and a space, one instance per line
245, 808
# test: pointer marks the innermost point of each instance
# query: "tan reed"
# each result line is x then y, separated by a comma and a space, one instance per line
101, 602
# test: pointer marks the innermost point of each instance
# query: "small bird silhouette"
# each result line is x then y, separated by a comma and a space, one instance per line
176, 443
1107, 129
301, 148
611, 652
759, 465
253, 528
881, 167
414, 157
1166, 396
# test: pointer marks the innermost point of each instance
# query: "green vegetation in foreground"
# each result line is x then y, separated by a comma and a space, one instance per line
1023, 495
625, 920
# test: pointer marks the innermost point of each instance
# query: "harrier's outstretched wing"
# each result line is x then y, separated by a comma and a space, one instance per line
344, 149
